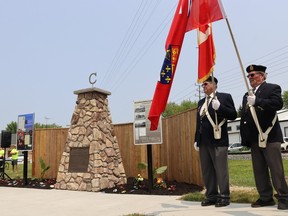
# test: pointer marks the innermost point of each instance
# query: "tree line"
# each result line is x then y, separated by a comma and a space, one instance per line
12, 126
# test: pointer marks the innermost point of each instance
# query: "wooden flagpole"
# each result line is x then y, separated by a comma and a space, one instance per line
238, 55
214, 96
252, 108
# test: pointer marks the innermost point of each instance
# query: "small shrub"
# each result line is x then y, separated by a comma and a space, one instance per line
44, 167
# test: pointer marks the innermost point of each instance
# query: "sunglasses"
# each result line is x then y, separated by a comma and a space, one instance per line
205, 84
252, 74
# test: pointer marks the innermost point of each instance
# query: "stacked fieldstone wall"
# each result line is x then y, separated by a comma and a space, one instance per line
91, 127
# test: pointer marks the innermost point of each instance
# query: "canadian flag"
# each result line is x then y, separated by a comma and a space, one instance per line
204, 12
206, 55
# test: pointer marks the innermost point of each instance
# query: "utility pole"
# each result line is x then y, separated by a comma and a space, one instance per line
46, 118
200, 92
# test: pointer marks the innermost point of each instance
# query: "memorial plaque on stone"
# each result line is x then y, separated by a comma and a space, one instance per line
79, 160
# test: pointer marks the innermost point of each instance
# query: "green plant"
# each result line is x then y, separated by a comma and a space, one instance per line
138, 182
158, 171
142, 166
44, 167
159, 182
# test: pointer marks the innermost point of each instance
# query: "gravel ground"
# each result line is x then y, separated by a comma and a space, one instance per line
247, 156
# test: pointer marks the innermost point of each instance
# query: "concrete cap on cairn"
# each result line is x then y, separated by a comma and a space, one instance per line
92, 89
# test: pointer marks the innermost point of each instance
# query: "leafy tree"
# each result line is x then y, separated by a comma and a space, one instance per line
172, 108
12, 127
239, 111
187, 104
38, 125
285, 99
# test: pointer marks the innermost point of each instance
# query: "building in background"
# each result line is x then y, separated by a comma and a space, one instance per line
234, 126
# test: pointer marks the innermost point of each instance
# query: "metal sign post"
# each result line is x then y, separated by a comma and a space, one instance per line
150, 168
143, 135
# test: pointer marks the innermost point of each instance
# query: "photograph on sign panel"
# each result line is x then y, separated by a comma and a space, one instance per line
140, 109
142, 133
140, 124
139, 117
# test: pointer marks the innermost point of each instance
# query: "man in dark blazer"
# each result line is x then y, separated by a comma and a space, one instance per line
211, 139
265, 145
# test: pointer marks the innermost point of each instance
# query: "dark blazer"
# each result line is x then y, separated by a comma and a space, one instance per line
204, 130
268, 101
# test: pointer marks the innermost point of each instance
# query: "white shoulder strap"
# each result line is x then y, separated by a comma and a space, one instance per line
212, 122
273, 122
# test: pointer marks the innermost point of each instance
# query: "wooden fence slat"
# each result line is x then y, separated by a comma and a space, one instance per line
176, 151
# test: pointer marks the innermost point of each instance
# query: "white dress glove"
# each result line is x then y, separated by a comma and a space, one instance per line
251, 100
215, 104
196, 147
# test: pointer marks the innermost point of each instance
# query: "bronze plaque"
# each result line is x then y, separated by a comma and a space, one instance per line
79, 160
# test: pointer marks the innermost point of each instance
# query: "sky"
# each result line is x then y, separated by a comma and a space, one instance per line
48, 49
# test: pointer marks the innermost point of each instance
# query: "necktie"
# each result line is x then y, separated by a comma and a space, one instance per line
207, 101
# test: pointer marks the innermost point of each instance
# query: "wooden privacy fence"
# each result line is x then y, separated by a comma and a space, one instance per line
176, 152
48, 145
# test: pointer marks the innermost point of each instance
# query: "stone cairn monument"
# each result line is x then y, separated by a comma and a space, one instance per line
91, 160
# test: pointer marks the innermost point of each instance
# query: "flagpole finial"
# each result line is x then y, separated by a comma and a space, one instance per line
92, 82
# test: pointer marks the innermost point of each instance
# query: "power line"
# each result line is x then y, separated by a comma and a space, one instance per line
133, 42
145, 48
273, 60
125, 40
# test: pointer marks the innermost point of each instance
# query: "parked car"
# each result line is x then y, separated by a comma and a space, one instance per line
284, 146
235, 147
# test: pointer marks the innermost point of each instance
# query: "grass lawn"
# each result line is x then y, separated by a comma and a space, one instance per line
241, 181
241, 172
19, 174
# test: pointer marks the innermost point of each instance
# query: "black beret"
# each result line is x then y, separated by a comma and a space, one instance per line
256, 68
209, 79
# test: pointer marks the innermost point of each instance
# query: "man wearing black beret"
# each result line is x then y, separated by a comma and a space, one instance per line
212, 142
264, 140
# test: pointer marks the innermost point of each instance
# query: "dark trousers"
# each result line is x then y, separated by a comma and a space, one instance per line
214, 166
263, 160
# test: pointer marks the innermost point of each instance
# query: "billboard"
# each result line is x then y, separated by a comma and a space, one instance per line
25, 130
141, 126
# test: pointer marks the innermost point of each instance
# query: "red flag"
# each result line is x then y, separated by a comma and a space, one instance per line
173, 47
204, 12
185, 19
206, 57
179, 24
163, 87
